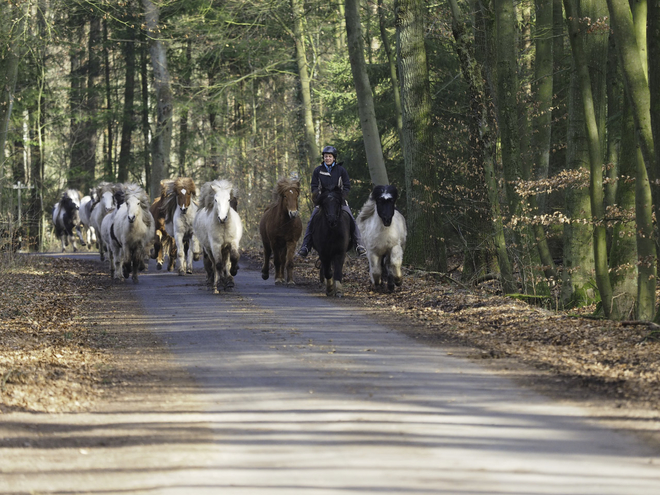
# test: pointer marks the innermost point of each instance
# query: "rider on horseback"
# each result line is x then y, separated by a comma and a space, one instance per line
326, 176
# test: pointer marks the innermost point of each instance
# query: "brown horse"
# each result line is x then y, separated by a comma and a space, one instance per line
280, 228
180, 207
163, 242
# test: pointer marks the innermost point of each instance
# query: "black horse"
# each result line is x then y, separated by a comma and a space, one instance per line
331, 236
66, 220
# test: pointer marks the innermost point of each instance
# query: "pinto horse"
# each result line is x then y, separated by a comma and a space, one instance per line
180, 207
331, 235
280, 228
219, 229
384, 233
163, 242
66, 219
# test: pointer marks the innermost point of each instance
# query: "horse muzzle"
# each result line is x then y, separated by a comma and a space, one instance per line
293, 213
131, 219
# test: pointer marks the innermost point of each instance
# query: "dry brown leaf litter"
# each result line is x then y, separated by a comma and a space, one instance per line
53, 358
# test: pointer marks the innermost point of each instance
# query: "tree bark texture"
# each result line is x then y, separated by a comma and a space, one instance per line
128, 112
311, 146
425, 245
589, 105
164, 100
366, 112
391, 61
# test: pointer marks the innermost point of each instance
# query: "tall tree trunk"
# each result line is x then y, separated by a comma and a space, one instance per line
508, 88
596, 193
164, 101
76, 143
425, 245
482, 142
90, 129
146, 127
366, 112
305, 83
128, 113
183, 118
614, 125
391, 61
109, 162
542, 121
8, 77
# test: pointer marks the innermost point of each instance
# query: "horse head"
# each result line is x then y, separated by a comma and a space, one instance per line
184, 189
331, 201
385, 198
289, 191
136, 203
222, 199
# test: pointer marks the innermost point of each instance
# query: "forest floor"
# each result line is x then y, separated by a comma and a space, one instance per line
55, 357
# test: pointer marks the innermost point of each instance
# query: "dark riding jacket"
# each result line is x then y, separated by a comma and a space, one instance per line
322, 179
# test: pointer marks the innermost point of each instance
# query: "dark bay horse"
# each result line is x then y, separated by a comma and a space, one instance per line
163, 243
280, 228
331, 235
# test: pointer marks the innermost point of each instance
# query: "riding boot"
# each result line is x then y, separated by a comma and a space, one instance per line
307, 240
357, 236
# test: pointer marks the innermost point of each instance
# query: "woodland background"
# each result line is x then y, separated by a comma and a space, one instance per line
521, 135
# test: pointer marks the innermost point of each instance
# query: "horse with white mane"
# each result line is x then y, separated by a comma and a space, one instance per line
384, 233
219, 230
180, 207
86, 207
129, 231
106, 195
66, 219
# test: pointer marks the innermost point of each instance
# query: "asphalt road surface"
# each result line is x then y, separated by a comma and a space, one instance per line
296, 394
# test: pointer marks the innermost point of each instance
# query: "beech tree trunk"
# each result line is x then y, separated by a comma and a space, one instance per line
366, 112
425, 244
305, 83
162, 141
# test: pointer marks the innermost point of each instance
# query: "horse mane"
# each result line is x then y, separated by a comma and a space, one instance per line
101, 188
368, 210
135, 190
168, 194
283, 185
207, 195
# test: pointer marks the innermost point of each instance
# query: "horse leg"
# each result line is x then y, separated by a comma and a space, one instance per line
266, 266
396, 260
181, 252
189, 258
196, 248
326, 275
375, 268
234, 256
136, 259
338, 262
227, 266
279, 259
290, 252
172, 253
80, 235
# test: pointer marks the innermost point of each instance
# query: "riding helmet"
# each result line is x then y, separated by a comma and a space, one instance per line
330, 149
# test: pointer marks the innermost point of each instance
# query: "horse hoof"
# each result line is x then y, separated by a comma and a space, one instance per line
182, 273
189, 271
265, 275
279, 281
135, 280
290, 283
159, 266
197, 256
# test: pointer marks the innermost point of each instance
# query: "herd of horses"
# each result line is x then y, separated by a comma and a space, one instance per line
186, 223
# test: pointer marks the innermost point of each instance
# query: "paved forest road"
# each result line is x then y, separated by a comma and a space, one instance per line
298, 395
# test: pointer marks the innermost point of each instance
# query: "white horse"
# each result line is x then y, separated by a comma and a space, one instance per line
66, 219
106, 202
129, 231
86, 206
384, 233
180, 208
219, 230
